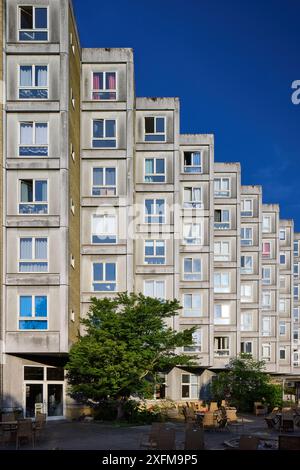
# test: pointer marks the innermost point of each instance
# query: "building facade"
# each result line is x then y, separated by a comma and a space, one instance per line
102, 194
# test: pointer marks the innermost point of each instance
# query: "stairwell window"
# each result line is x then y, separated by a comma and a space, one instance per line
221, 346
104, 86
192, 305
192, 162
155, 170
33, 255
104, 182
33, 82
104, 133
192, 198
33, 312
155, 211
104, 229
192, 269
155, 252
222, 187
33, 197
222, 219
33, 23
196, 345
155, 129
104, 277
246, 236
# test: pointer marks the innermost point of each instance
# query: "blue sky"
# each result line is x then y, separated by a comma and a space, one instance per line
231, 63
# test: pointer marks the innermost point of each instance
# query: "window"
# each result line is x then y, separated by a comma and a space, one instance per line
189, 386
296, 292
282, 353
104, 229
33, 83
155, 252
222, 187
246, 264
155, 170
197, 343
104, 277
266, 351
296, 248
33, 23
33, 139
222, 314
296, 270
155, 211
33, 197
221, 251
246, 347
33, 312
246, 208
221, 346
266, 300
266, 326
192, 234
192, 198
282, 234
222, 220
282, 280
155, 289
295, 336
282, 258
296, 314
282, 305
246, 236
192, 162
221, 282
282, 328
104, 133
266, 250
246, 321
266, 226
33, 255
192, 306
246, 293
266, 275
104, 182
155, 129
192, 269
104, 86
296, 359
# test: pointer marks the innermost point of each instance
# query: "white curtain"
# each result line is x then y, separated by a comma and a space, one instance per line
26, 75
26, 248
41, 133
41, 248
26, 133
41, 75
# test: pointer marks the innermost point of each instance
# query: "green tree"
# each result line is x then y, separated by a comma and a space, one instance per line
126, 343
245, 382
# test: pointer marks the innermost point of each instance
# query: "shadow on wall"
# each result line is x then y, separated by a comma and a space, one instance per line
9, 404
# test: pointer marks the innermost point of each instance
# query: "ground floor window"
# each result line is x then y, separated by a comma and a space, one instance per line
189, 386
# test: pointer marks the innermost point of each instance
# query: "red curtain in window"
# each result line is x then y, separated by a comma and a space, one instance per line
97, 81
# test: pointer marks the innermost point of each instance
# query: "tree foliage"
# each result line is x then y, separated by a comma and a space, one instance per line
126, 343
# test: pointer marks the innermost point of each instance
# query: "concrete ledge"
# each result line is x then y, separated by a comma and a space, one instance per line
31, 279
32, 221
32, 342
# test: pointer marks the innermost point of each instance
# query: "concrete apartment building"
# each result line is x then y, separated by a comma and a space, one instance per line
102, 194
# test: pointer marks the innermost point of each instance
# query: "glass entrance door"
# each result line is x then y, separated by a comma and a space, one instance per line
55, 406
34, 395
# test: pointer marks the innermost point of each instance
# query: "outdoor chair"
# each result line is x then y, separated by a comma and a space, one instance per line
289, 442
39, 425
209, 420
287, 422
166, 440
260, 409
150, 440
248, 443
25, 431
194, 439
221, 419
231, 414
189, 414
213, 406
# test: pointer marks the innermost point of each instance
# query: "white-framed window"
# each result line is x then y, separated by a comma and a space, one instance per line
33, 82
296, 248
282, 353
266, 250
222, 314
155, 251
33, 196
282, 328
221, 282
246, 321
104, 133
192, 233
155, 289
155, 170
296, 315
104, 86
266, 351
296, 359
192, 198
246, 347
266, 326
222, 219
33, 255
155, 129
246, 264
192, 162
282, 234
221, 346
155, 211
282, 282
266, 275
104, 229
296, 292
266, 224
34, 139
296, 270
104, 277
282, 305
192, 305
33, 312
296, 335
104, 181
192, 269
190, 386
222, 187
282, 258
221, 251
246, 236
246, 293
266, 300
33, 23
196, 345
246, 207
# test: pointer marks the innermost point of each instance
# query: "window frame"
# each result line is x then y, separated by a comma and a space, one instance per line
155, 173
47, 87
265, 294
155, 214
155, 256
33, 259
192, 309
34, 29
164, 134
282, 255
222, 225
282, 349
34, 145
198, 241
222, 257
104, 280
246, 241
245, 343
222, 351
222, 289
33, 203
282, 230
192, 272
220, 194
267, 254
266, 332
244, 326
190, 385
245, 213
246, 298
196, 347
155, 281
244, 269
266, 281
200, 152
104, 186
192, 204
282, 328
265, 346
296, 251
33, 317
269, 228
222, 319
104, 215
103, 139
104, 90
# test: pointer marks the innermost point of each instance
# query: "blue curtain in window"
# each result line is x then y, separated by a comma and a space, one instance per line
41, 191
25, 306
149, 166
98, 129
110, 271
98, 271
41, 306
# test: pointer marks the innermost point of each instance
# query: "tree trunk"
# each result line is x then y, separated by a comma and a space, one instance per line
120, 409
